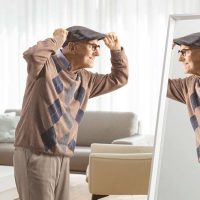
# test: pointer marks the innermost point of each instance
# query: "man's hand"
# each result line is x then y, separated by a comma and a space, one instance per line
112, 42
60, 34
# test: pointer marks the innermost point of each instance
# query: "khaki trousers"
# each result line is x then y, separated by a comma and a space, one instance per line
41, 176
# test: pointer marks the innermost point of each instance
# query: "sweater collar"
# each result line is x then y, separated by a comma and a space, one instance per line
62, 63
60, 60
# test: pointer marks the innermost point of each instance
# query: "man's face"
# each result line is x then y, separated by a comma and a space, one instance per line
86, 52
190, 57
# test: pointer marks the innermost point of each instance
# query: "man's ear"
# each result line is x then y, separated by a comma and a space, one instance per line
72, 47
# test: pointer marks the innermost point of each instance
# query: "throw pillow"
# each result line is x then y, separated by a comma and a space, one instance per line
8, 125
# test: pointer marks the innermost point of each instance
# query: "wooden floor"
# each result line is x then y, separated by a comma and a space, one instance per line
79, 188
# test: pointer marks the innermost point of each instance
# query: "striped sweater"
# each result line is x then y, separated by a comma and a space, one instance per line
187, 91
55, 98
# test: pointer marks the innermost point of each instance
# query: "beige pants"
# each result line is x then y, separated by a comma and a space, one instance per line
41, 177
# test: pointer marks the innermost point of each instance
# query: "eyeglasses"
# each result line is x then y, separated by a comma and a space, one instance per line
183, 52
93, 46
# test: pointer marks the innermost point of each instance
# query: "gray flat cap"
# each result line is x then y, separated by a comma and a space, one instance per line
81, 33
189, 40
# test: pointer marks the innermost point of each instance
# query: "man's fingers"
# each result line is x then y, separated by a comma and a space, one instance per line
105, 40
60, 34
112, 36
60, 31
108, 40
111, 40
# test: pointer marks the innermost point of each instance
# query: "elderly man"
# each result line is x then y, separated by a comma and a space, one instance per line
57, 91
187, 90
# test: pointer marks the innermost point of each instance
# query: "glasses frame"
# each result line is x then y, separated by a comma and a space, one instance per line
183, 52
94, 46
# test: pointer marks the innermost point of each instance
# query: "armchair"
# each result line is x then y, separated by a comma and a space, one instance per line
118, 170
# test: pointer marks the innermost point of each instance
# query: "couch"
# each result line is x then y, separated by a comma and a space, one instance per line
96, 127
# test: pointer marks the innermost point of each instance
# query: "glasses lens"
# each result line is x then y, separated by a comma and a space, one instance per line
180, 52
183, 52
94, 46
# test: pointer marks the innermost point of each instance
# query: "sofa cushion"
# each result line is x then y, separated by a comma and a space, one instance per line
136, 140
80, 160
6, 153
104, 127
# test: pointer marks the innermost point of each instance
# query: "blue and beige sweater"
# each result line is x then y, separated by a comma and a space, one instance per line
55, 98
187, 91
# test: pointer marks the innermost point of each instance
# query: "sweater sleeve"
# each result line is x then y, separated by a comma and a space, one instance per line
37, 56
103, 83
177, 89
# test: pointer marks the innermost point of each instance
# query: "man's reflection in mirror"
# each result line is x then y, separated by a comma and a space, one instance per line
187, 90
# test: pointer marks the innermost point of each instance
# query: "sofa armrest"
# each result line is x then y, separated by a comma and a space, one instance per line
121, 156
111, 148
121, 173
16, 111
143, 140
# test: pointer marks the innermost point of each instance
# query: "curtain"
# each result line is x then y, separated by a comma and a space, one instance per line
141, 26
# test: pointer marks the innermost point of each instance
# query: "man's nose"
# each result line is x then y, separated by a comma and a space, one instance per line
181, 58
97, 52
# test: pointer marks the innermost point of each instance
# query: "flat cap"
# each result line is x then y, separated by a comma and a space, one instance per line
81, 33
189, 40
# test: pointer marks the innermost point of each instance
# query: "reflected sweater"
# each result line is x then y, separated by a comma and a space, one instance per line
187, 91
55, 98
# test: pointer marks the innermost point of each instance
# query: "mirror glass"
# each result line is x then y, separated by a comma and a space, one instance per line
175, 168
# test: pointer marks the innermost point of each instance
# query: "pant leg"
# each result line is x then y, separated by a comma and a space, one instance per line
62, 188
20, 159
40, 176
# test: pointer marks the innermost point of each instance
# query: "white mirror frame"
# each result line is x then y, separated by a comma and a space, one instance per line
162, 107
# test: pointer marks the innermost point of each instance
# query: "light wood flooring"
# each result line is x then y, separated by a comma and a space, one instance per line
78, 187
79, 190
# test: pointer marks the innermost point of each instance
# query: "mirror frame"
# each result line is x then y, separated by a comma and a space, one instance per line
162, 106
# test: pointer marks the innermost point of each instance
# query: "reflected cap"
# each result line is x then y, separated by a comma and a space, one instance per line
81, 33
189, 40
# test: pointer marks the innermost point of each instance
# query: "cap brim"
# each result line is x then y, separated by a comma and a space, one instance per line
181, 41
189, 40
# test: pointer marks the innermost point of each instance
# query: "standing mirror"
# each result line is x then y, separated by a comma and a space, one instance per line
175, 168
